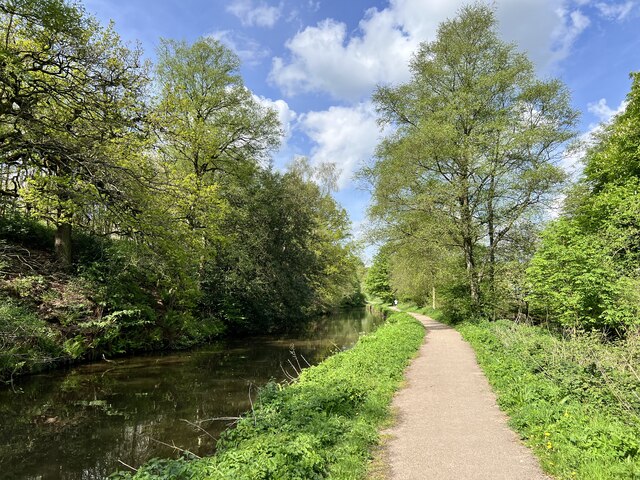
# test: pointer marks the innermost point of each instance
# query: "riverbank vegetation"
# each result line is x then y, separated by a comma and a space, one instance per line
539, 271
322, 425
138, 205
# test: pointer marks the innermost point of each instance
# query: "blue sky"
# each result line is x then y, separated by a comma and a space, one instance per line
317, 62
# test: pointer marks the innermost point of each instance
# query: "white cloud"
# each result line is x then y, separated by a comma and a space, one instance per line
259, 13
250, 51
615, 11
346, 136
324, 58
328, 58
572, 158
603, 111
566, 33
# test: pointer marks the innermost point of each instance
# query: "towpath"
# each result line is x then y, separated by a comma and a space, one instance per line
449, 426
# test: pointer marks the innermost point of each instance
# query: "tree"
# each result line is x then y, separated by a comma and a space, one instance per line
286, 254
212, 138
209, 125
585, 273
70, 105
476, 136
376, 282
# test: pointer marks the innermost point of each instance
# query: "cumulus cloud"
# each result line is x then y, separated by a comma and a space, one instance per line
348, 65
346, 136
250, 51
324, 58
253, 13
604, 112
615, 11
572, 158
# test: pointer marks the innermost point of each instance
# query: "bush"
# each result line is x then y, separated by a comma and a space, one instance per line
27, 343
577, 283
26, 231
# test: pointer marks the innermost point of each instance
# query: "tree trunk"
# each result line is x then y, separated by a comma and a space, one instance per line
468, 245
474, 288
433, 297
492, 246
63, 245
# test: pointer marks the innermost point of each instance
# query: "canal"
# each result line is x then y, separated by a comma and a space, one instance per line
89, 420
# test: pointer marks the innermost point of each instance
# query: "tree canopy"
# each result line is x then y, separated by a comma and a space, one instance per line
585, 272
472, 158
70, 110
156, 182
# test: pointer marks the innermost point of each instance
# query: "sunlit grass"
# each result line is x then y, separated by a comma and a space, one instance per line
575, 400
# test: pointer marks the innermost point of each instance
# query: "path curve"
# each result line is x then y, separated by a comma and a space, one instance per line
448, 423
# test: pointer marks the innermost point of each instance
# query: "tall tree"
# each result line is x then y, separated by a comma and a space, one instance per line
70, 99
213, 135
210, 125
476, 137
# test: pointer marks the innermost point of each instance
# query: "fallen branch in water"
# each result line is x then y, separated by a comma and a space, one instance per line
175, 447
198, 427
219, 418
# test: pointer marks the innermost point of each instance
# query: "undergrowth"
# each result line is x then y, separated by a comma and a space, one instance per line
26, 341
575, 400
321, 426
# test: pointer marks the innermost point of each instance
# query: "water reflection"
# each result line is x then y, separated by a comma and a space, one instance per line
79, 423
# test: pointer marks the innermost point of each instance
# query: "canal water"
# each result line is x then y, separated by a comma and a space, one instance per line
82, 422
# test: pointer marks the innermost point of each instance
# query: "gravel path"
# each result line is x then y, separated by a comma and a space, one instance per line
449, 425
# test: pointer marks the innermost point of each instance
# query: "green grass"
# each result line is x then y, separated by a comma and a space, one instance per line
575, 401
324, 425
436, 314
26, 342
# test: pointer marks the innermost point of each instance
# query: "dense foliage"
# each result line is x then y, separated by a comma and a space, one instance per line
585, 273
321, 426
376, 282
138, 205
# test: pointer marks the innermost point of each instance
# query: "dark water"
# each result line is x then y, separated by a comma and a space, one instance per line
78, 423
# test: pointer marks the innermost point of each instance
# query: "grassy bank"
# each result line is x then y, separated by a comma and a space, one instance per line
575, 401
323, 425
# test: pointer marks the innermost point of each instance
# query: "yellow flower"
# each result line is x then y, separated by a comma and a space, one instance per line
546, 434
549, 446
